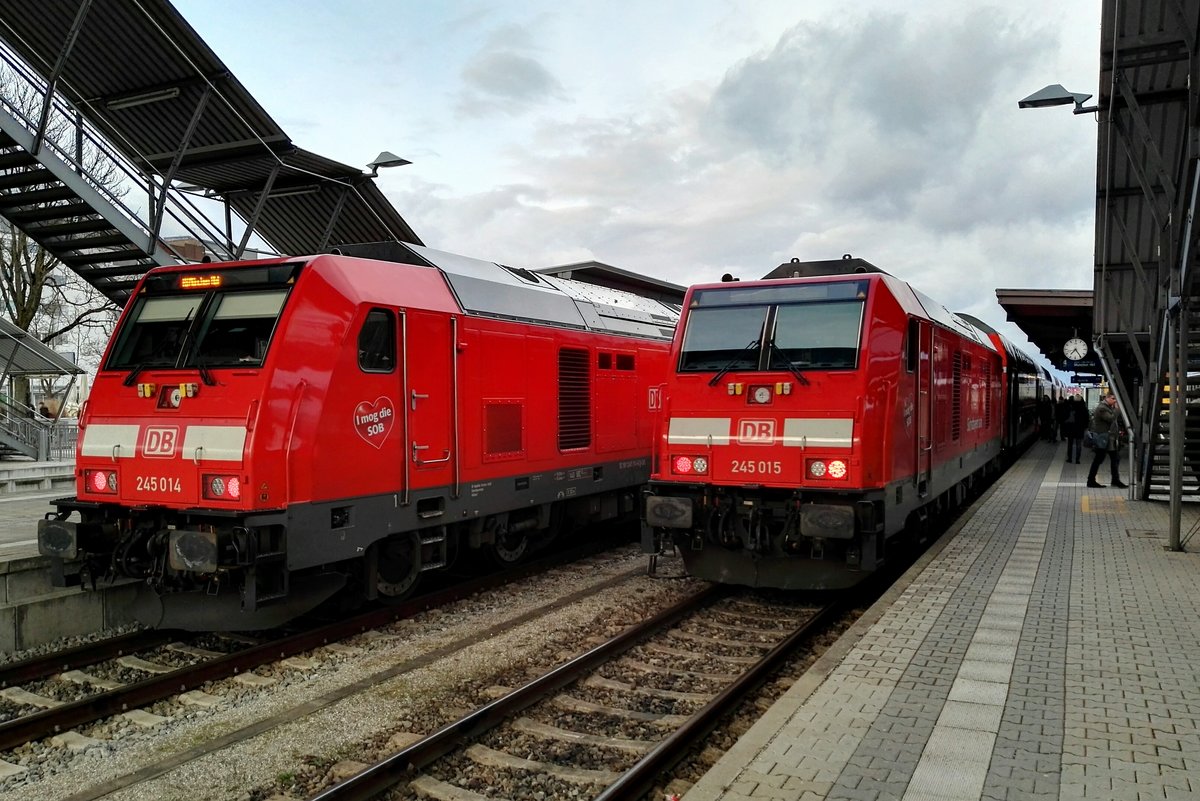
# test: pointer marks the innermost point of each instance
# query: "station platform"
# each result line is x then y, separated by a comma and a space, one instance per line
1046, 648
32, 610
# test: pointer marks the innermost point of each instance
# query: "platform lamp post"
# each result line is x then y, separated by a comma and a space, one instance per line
1056, 95
386, 159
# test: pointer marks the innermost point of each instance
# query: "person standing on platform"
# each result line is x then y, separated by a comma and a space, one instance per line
1105, 429
1074, 421
1046, 418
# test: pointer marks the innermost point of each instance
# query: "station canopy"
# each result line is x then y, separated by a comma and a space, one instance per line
23, 354
1049, 317
159, 94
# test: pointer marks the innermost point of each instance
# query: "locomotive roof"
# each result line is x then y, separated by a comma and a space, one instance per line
941, 315
490, 289
846, 265
1015, 354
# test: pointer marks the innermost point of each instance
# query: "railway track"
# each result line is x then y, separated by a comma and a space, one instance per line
639, 701
52, 694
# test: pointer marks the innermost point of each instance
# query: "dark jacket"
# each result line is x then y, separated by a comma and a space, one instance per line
1105, 420
1076, 418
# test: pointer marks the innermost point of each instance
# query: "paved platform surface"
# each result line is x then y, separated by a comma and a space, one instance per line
20, 510
1049, 650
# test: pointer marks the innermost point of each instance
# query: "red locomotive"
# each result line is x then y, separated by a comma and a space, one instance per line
812, 416
263, 434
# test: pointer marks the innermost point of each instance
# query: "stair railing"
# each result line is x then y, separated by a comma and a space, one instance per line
87, 139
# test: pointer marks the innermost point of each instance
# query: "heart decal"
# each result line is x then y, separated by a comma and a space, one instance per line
373, 421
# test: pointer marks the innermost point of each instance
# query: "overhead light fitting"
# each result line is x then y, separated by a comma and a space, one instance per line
142, 99
386, 159
1056, 95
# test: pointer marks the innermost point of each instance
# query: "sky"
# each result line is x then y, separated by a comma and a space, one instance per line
685, 140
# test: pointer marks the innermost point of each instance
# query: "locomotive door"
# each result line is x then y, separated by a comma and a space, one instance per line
923, 442
430, 392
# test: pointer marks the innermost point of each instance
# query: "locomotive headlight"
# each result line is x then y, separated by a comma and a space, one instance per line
194, 550
700, 464
817, 468
837, 468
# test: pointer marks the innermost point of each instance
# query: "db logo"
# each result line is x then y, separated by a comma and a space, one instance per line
160, 441
756, 432
654, 401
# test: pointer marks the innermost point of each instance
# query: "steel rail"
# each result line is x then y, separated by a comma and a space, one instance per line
376, 779
40, 667
111, 702
641, 778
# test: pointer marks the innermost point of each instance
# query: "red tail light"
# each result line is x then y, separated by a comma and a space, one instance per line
689, 465
827, 469
222, 487
101, 481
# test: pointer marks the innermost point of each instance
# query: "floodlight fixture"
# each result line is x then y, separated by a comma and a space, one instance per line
1056, 95
386, 159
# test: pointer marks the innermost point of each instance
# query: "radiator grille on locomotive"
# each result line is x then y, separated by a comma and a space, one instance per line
574, 400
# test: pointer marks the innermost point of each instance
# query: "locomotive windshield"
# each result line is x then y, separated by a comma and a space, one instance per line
796, 326
220, 323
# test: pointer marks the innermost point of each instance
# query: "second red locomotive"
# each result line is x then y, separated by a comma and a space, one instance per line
812, 416
262, 435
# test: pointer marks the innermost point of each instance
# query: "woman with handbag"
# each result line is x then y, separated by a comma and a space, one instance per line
1104, 433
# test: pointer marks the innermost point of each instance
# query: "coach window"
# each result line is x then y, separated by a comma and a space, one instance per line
377, 342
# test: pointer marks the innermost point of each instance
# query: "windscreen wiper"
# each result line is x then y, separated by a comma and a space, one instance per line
717, 376
134, 373
792, 367
205, 374
189, 340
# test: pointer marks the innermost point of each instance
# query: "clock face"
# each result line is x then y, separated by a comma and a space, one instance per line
762, 395
1075, 348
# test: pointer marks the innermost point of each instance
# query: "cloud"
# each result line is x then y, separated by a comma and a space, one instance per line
503, 78
887, 136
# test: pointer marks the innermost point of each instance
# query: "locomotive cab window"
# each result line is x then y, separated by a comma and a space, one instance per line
155, 332
377, 342
215, 328
238, 329
789, 327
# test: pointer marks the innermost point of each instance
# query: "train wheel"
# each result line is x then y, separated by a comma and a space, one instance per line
508, 548
399, 566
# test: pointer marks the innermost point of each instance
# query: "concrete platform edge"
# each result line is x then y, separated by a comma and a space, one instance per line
727, 769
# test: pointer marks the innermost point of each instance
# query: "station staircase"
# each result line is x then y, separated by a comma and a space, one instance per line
1158, 457
64, 208
24, 433
67, 187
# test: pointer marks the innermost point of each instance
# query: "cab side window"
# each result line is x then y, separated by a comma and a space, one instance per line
377, 342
